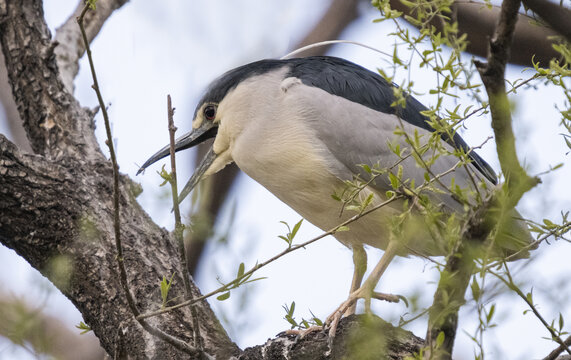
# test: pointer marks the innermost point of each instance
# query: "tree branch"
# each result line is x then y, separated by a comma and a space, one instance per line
76, 229
38, 93
337, 17
455, 278
492, 74
478, 22
557, 16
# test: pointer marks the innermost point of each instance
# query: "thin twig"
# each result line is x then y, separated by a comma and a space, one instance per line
512, 286
493, 73
179, 227
555, 353
179, 344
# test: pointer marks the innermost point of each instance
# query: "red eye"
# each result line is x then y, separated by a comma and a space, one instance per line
210, 112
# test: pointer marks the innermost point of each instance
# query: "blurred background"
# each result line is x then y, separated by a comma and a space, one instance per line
148, 49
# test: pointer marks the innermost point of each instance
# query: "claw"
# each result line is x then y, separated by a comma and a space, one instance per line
362, 293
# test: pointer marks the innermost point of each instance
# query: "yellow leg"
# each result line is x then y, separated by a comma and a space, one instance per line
360, 266
366, 290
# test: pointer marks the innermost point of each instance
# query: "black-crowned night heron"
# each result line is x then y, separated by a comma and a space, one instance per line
302, 127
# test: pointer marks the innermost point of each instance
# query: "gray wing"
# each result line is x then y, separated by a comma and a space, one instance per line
352, 82
351, 134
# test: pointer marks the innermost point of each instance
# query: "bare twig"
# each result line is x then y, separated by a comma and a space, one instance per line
179, 344
512, 286
179, 227
492, 74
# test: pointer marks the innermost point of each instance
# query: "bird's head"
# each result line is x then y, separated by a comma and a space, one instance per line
227, 101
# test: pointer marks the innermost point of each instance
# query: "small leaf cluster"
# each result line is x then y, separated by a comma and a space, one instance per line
288, 238
241, 278
165, 286
303, 324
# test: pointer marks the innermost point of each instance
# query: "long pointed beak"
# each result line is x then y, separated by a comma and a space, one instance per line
198, 172
206, 131
193, 138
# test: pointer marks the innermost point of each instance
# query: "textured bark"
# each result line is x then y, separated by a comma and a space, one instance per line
358, 337
10, 110
57, 215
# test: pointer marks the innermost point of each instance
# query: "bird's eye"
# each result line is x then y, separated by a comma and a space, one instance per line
210, 112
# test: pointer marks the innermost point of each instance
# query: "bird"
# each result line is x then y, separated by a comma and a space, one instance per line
322, 133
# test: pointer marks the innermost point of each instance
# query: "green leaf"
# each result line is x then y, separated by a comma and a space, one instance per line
165, 288
394, 181
295, 229
367, 201
491, 313
240, 271
529, 297
342, 228
224, 296
426, 177
440, 339
404, 300
475, 287
83, 327
291, 308
560, 165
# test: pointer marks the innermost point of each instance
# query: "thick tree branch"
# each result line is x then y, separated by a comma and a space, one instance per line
55, 123
492, 74
478, 22
76, 229
358, 337
337, 17
55, 208
557, 16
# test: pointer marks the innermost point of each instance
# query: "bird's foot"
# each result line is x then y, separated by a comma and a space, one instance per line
348, 307
345, 309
